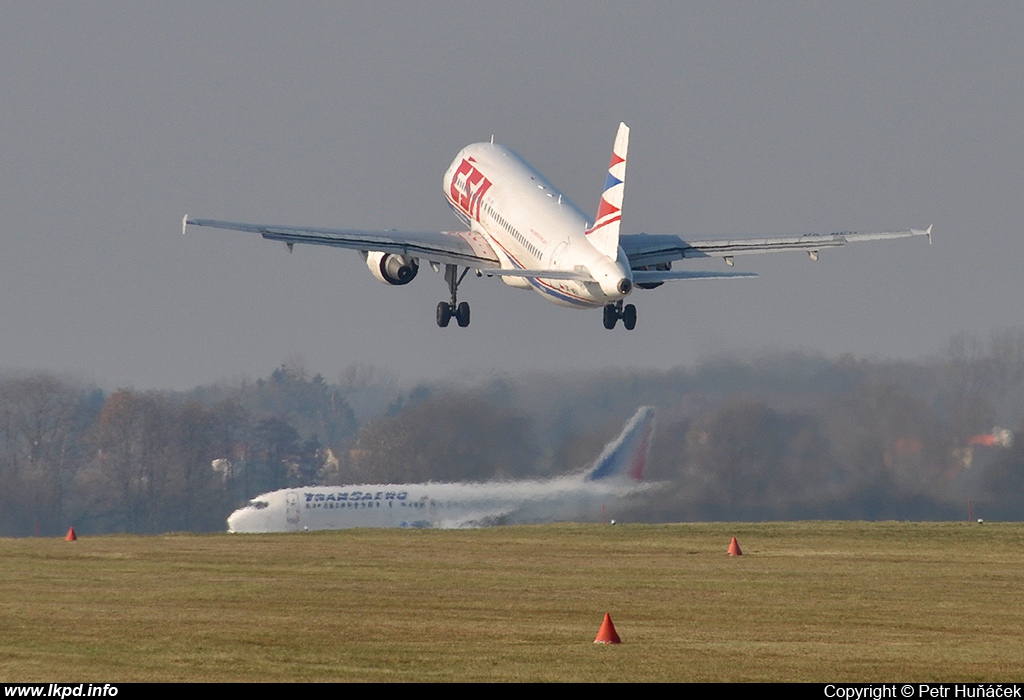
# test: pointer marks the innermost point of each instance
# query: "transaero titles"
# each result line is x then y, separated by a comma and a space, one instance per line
356, 496
923, 690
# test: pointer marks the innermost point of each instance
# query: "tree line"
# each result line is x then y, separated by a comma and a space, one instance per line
772, 437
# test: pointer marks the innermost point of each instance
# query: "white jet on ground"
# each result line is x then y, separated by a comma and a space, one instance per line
522, 229
616, 474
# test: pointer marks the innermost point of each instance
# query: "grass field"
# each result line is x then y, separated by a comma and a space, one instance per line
810, 601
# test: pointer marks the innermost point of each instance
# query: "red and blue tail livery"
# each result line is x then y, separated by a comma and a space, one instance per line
626, 456
604, 234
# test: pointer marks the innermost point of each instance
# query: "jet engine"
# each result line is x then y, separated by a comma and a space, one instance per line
653, 285
391, 268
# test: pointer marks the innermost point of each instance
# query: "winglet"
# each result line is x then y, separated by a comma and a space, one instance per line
928, 232
604, 234
184, 224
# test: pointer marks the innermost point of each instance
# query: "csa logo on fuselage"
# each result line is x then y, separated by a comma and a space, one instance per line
468, 187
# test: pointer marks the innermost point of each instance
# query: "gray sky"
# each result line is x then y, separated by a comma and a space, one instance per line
746, 118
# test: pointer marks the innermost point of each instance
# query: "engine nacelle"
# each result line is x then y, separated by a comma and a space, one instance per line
517, 282
391, 268
653, 285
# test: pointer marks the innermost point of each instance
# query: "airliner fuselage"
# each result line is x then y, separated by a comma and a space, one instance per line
532, 226
429, 505
617, 473
522, 229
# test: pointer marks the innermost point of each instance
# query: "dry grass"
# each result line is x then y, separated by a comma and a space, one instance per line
817, 601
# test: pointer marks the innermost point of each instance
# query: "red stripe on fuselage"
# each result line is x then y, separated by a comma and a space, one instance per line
603, 224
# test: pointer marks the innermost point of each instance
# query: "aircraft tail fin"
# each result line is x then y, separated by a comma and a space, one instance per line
604, 234
626, 455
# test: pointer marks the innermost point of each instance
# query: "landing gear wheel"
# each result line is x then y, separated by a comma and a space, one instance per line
453, 309
611, 316
629, 317
444, 314
462, 314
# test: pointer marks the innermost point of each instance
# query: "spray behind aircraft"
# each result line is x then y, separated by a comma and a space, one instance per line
617, 473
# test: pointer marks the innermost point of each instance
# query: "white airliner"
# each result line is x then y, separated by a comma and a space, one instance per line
522, 229
616, 474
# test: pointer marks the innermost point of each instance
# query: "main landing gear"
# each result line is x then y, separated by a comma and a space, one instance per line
613, 312
446, 311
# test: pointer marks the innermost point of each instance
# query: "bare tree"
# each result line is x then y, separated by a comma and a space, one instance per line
42, 421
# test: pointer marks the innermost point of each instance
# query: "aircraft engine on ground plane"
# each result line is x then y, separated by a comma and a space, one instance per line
391, 268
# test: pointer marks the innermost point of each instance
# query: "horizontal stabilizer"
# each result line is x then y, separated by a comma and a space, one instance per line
579, 275
651, 276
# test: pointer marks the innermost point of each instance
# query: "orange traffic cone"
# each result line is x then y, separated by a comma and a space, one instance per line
607, 633
734, 548
71, 536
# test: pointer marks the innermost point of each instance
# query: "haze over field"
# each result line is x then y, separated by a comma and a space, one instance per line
120, 118
789, 436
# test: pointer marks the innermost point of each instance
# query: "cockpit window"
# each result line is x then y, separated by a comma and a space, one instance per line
258, 505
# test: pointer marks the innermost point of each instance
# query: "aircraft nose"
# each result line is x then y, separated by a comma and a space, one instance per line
238, 519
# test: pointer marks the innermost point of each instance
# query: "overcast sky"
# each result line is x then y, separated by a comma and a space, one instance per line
746, 119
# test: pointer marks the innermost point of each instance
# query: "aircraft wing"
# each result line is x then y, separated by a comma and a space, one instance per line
488, 518
646, 250
445, 247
